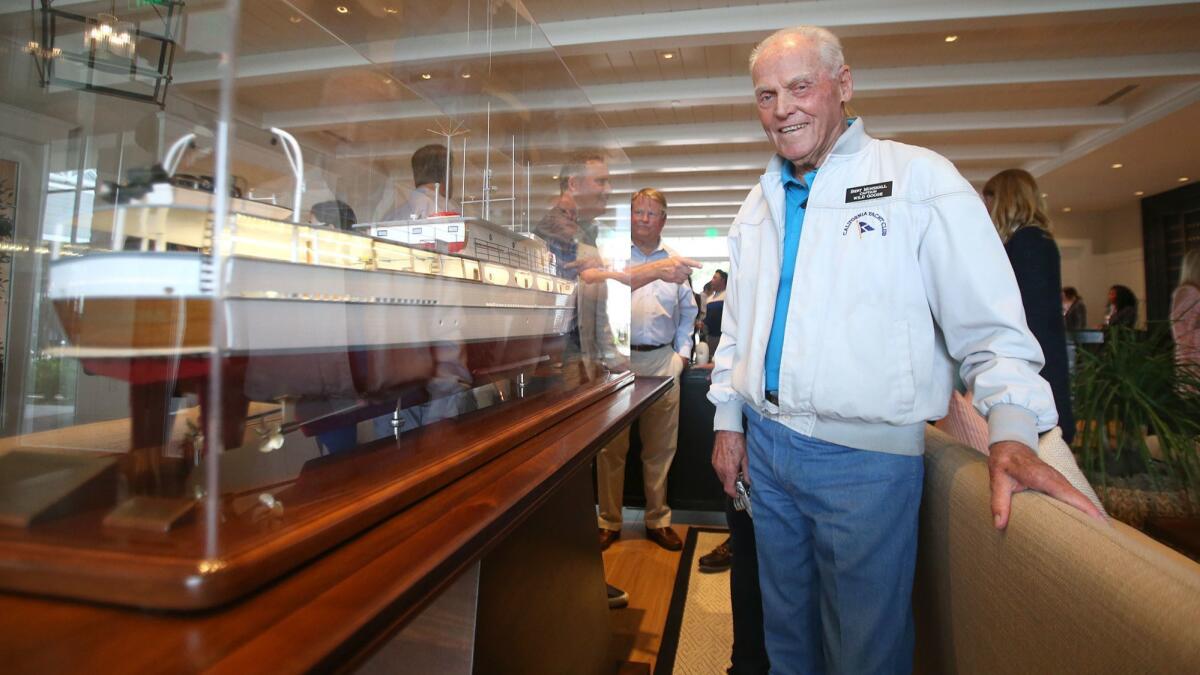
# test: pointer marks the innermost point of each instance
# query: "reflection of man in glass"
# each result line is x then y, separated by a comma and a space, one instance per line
583, 195
569, 230
432, 193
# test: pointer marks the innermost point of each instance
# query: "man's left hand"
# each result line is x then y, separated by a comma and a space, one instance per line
584, 262
1013, 467
593, 275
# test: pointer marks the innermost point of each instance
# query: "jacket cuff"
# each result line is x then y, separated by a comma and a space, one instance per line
729, 417
1008, 422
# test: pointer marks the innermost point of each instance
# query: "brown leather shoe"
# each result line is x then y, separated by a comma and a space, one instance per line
717, 560
607, 537
664, 537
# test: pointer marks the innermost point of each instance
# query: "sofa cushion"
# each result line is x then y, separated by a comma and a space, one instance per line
1055, 592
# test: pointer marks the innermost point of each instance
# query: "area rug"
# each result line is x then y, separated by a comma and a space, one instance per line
698, 636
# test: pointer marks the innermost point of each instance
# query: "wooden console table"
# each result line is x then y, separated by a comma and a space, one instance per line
524, 523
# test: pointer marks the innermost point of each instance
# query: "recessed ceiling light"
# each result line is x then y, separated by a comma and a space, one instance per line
466, 76
294, 19
1066, 209
391, 10
1183, 179
426, 76
1139, 193
1117, 165
668, 55
951, 38
387, 80
342, 9
1044, 195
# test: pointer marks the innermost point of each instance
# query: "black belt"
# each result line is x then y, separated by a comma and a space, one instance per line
645, 348
772, 397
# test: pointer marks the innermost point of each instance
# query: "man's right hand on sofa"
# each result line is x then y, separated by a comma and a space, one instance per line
1013, 467
729, 458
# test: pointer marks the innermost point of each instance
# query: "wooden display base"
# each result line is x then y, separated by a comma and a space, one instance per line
336, 612
146, 562
36, 487
152, 514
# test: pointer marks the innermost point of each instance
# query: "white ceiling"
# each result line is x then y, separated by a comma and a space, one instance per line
1027, 84
1064, 88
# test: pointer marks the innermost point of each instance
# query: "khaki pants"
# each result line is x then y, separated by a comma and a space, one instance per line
659, 428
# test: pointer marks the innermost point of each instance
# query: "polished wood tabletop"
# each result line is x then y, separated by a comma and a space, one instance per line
328, 613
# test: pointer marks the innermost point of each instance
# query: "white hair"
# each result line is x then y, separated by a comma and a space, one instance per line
829, 48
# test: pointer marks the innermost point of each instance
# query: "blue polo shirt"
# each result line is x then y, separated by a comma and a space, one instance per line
796, 193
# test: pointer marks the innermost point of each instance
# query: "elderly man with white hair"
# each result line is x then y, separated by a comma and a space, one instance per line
863, 274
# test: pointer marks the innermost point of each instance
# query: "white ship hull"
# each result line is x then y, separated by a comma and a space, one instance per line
293, 331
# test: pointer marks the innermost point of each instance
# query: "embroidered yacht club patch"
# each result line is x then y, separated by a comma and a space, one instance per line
864, 192
866, 224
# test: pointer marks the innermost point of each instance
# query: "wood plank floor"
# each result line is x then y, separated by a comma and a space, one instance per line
647, 572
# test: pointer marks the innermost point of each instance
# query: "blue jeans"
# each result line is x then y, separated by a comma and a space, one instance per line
836, 533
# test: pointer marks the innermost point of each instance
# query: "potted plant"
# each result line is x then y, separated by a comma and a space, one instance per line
1127, 390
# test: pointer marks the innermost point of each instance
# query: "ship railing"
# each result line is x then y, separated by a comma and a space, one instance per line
166, 228
486, 250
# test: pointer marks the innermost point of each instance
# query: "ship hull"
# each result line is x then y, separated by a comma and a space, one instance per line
287, 331
297, 330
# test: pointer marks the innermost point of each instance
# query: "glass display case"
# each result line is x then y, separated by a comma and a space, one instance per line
273, 271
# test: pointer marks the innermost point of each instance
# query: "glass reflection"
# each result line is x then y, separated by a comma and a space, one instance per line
375, 303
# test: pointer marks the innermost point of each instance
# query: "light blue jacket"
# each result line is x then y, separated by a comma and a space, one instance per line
900, 277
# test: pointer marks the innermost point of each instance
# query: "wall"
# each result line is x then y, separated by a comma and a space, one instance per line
1100, 249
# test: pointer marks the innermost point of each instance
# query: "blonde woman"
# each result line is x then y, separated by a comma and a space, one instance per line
1014, 203
1185, 311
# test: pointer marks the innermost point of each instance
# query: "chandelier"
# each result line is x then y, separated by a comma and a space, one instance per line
112, 34
129, 56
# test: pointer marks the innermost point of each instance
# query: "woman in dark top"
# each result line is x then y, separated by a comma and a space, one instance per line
1122, 307
1012, 198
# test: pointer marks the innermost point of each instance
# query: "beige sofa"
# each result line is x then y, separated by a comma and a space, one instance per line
1055, 593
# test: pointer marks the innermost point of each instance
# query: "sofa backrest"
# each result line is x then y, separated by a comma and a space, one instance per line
1057, 592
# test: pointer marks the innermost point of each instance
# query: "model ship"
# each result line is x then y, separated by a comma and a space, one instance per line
304, 312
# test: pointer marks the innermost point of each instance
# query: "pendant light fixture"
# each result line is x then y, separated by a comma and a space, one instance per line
109, 32
129, 56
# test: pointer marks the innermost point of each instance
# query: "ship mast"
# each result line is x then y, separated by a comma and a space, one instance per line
449, 132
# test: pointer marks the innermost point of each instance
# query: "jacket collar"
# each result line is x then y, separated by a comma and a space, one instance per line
852, 141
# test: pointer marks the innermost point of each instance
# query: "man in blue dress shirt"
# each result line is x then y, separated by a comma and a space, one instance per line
663, 314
